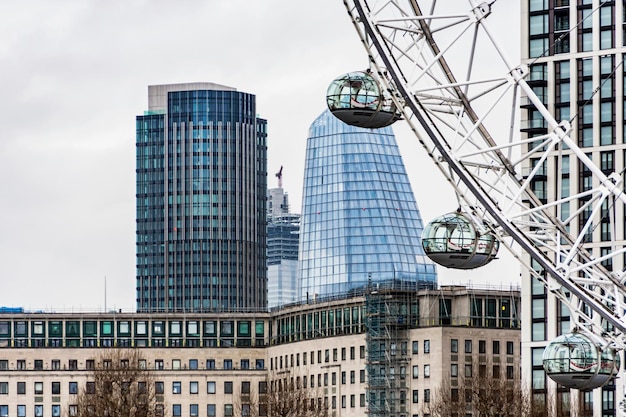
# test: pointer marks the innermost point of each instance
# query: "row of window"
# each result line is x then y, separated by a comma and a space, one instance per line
469, 371
277, 362
129, 328
482, 346
288, 360
38, 409
159, 364
159, 386
72, 411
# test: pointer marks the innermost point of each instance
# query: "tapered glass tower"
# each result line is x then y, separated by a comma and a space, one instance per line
201, 200
360, 221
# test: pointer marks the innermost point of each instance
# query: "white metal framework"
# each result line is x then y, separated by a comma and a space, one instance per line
413, 49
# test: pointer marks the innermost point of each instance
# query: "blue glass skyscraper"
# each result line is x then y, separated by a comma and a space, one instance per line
360, 221
201, 200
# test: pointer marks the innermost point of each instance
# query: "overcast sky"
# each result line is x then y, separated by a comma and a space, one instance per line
75, 73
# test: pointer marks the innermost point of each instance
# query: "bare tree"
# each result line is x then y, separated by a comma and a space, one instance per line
555, 406
282, 396
486, 395
118, 386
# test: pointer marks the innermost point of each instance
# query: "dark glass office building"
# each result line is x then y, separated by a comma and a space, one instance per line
201, 200
360, 221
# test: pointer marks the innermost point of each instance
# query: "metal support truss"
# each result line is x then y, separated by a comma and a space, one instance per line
452, 80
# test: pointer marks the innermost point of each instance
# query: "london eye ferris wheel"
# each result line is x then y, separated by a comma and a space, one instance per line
446, 75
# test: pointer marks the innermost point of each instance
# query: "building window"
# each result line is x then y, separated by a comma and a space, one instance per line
21, 388
4, 388
21, 411
38, 388
416, 371
193, 410
210, 410
415, 347
228, 410
362, 376
56, 410
416, 396
228, 364
176, 410
509, 372
21, 365
260, 363
56, 388
158, 364
210, 364
210, 387
193, 363
245, 387
193, 387
482, 346
426, 346
38, 410
426, 395
468, 371
509, 348
245, 364
159, 387
454, 346
228, 387
426, 371
468, 346
362, 351
454, 370
176, 387
73, 387
496, 347
90, 388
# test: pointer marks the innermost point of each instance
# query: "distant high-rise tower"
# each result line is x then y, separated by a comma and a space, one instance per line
282, 247
360, 221
575, 54
201, 200
282, 259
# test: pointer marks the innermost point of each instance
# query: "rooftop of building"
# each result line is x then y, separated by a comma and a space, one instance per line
157, 94
355, 296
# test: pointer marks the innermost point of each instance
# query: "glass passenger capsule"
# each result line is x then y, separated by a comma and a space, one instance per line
574, 361
357, 99
453, 241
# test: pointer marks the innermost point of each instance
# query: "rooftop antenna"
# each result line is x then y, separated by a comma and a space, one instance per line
279, 175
